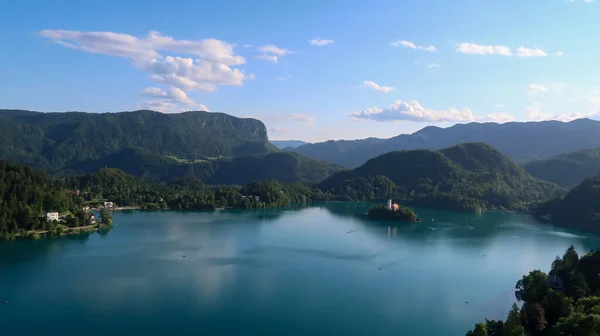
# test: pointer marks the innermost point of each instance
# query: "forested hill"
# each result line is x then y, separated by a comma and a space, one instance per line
281, 166
580, 208
568, 169
25, 197
520, 141
51, 141
464, 177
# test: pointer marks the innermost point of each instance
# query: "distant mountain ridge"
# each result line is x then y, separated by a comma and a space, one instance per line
281, 144
464, 177
520, 141
51, 141
568, 169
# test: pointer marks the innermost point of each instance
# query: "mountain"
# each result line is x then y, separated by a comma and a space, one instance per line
579, 208
281, 166
568, 169
520, 141
281, 144
51, 141
464, 177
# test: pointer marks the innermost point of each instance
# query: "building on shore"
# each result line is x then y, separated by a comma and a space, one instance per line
108, 205
52, 216
389, 204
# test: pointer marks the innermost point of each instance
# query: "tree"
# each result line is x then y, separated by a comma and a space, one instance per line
532, 287
480, 330
494, 328
535, 316
105, 217
512, 326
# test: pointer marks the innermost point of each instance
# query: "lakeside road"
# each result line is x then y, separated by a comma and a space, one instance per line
126, 208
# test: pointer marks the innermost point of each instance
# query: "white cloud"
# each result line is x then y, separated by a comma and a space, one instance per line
477, 49
416, 62
560, 53
272, 53
124, 45
557, 88
373, 85
433, 65
170, 100
500, 118
411, 45
270, 58
525, 52
414, 111
535, 88
319, 42
535, 113
499, 105
210, 62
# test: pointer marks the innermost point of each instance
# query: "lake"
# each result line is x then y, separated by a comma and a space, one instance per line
319, 270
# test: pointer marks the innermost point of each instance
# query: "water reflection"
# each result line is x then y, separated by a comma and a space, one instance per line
471, 230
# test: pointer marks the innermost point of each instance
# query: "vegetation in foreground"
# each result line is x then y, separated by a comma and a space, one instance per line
564, 302
403, 213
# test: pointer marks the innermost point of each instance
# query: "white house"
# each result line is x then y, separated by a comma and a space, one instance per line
52, 216
389, 204
108, 205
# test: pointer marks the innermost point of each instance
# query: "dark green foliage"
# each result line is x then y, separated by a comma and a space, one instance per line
281, 166
126, 190
512, 326
105, 217
579, 208
548, 310
52, 141
567, 169
403, 213
467, 177
480, 330
26, 195
522, 142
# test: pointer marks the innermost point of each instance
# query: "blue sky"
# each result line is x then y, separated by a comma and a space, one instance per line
373, 69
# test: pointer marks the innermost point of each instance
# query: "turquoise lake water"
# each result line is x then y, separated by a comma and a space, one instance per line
319, 270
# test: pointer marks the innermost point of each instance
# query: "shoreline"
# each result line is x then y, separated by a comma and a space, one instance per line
67, 231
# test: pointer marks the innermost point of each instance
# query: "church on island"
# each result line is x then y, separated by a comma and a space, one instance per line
391, 206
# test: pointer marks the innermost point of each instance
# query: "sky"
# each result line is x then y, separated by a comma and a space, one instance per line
312, 70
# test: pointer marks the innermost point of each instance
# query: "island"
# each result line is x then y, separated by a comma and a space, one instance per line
393, 212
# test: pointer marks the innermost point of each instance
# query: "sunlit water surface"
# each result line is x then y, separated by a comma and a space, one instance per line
320, 270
